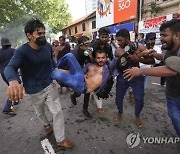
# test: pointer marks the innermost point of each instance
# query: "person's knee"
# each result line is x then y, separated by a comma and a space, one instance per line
69, 55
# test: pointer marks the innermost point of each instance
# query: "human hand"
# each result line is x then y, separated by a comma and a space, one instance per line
134, 57
15, 91
131, 73
149, 52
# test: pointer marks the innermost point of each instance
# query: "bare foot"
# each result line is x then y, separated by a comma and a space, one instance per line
101, 111
139, 122
117, 116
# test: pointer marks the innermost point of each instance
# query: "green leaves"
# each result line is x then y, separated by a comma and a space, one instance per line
51, 12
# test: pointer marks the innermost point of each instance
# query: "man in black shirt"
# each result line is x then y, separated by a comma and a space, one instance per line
102, 42
82, 56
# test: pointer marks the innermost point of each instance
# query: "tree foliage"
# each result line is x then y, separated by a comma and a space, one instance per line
154, 9
52, 12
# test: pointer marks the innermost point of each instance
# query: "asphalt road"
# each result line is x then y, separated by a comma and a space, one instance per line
23, 133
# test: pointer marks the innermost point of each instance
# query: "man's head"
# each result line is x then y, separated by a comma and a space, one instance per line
150, 40
103, 35
140, 36
84, 43
35, 32
100, 57
55, 43
62, 40
170, 34
123, 37
5, 43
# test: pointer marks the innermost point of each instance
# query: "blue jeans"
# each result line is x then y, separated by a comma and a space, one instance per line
137, 85
74, 79
173, 107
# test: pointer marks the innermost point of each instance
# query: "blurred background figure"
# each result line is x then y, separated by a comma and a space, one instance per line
141, 39
6, 52
55, 44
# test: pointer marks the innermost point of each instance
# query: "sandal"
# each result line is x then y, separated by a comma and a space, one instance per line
139, 122
101, 111
117, 116
65, 144
48, 129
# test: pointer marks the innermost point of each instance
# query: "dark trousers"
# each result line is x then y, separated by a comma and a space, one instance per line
8, 105
137, 85
86, 99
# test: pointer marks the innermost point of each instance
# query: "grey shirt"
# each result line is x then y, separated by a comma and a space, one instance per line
173, 82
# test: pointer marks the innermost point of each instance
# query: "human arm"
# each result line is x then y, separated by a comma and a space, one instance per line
161, 71
15, 90
142, 55
119, 52
56, 52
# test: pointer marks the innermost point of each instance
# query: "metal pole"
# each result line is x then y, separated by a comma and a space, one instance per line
140, 10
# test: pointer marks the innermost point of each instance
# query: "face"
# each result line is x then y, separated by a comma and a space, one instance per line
121, 41
104, 38
139, 37
167, 39
61, 41
39, 32
100, 59
150, 43
85, 45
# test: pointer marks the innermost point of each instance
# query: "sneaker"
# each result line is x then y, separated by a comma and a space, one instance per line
73, 100
65, 144
48, 129
86, 113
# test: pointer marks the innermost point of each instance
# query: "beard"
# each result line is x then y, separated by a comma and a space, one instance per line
100, 63
169, 46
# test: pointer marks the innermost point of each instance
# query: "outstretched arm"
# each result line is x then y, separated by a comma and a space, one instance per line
161, 71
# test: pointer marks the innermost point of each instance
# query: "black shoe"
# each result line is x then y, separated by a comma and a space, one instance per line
86, 113
73, 100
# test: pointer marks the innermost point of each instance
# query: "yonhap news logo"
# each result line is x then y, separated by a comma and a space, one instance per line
133, 140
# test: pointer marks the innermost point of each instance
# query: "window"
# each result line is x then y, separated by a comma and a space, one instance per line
69, 31
83, 27
93, 24
76, 29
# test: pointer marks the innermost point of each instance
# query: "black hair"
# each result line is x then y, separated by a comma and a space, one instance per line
123, 33
98, 51
173, 25
82, 39
142, 35
33, 25
62, 37
104, 31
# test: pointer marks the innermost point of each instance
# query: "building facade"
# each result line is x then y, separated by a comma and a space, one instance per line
156, 8
84, 26
90, 6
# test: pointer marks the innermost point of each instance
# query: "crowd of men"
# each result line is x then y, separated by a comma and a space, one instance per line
89, 68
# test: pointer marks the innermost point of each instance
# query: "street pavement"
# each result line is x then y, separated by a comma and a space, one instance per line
23, 133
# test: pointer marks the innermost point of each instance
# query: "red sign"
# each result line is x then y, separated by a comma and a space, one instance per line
154, 23
124, 10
